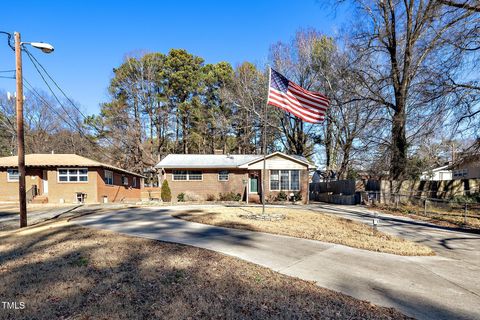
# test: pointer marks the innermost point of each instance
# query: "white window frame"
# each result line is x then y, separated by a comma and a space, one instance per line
78, 175
223, 172
187, 173
9, 175
280, 180
270, 180
105, 176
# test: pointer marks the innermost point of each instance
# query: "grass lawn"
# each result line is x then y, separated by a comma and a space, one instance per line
453, 219
309, 225
64, 271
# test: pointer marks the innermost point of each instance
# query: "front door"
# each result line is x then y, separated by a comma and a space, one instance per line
45, 182
253, 184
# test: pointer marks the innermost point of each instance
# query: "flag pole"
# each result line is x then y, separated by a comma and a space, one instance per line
264, 148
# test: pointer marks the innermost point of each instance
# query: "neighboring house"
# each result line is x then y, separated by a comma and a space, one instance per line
207, 175
437, 174
468, 167
68, 178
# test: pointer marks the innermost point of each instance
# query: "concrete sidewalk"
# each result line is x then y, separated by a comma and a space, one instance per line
422, 287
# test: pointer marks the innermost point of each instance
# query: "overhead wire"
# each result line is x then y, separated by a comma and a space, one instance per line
39, 66
75, 126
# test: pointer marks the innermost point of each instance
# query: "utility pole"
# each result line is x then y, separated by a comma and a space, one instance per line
20, 133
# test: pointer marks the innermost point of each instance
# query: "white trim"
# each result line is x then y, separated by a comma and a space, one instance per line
105, 177
280, 180
8, 175
188, 176
68, 175
309, 165
218, 175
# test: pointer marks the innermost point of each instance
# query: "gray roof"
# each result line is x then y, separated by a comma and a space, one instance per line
206, 160
191, 161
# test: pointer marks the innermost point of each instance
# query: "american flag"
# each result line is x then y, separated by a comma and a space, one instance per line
306, 105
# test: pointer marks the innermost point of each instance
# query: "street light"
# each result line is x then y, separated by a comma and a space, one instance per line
47, 48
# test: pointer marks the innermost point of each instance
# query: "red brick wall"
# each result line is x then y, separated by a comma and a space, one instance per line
117, 192
210, 185
9, 190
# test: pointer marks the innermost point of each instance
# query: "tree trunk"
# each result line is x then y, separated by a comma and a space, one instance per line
398, 163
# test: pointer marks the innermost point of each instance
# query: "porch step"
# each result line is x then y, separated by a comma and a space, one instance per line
40, 200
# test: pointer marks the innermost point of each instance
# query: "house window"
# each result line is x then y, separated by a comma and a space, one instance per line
179, 175
284, 180
274, 180
134, 182
108, 177
12, 175
125, 180
184, 175
72, 175
294, 180
223, 175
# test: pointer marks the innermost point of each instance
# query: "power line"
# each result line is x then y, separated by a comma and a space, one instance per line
75, 127
31, 56
37, 64
44, 80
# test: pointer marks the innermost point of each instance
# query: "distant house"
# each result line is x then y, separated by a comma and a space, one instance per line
437, 174
208, 175
68, 178
468, 167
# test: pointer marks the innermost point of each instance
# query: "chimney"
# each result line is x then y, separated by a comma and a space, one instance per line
217, 151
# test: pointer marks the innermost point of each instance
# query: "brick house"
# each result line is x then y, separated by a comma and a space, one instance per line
68, 178
208, 175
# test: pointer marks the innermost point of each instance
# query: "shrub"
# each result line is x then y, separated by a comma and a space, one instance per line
191, 196
166, 193
229, 196
211, 197
281, 196
181, 197
297, 195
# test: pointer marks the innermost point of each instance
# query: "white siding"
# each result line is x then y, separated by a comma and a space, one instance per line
278, 162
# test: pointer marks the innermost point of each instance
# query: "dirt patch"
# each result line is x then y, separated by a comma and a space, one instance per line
309, 225
63, 271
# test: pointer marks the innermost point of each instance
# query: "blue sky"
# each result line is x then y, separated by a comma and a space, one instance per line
93, 37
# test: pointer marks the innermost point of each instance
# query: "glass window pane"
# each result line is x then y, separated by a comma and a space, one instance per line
73, 178
195, 175
179, 175
83, 178
62, 171
83, 171
62, 178
295, 179
284, 180
73, 171
274, 180
223, 175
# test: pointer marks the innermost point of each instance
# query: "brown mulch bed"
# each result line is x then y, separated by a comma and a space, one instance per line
61, 271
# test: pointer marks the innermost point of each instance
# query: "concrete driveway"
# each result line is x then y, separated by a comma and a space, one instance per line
440, 287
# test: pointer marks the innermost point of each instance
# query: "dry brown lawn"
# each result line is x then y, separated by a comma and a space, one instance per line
61, 271
453, 219
309, 225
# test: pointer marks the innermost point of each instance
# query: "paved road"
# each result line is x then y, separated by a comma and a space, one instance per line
439, 287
